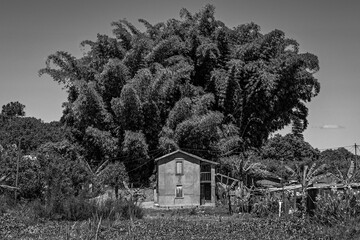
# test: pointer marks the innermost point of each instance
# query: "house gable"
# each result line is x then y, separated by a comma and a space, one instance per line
182, 154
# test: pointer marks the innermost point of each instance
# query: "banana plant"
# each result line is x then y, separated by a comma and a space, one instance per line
242, 167
350, 177
306, 177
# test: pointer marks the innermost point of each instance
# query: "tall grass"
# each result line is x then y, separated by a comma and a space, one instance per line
79, 208
7, 202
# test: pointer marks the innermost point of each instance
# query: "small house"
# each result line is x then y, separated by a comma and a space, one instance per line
184, 179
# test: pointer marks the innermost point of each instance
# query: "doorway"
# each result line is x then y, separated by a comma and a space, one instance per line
205, 193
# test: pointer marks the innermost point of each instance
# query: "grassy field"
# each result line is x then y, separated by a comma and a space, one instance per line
197, 223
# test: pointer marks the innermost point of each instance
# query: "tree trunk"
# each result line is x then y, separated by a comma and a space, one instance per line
229, 200
116, 191
303, 202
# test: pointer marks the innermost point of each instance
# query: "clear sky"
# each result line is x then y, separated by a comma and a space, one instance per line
31, 30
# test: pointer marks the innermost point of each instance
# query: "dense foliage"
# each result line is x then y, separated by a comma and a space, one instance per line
289, 150
337, 207
192, 83
337, 159
13, 109
29, 132
114, 175
29, 178
56, 172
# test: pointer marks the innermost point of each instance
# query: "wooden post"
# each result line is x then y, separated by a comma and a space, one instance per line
213, 185
228, 193
17, 171
282, 185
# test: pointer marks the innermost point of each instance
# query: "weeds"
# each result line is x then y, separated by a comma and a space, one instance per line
6, 202
337, 207
102, 221
193, 211
265, 207
78, 209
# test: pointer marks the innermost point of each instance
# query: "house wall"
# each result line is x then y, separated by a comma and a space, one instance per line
168, 180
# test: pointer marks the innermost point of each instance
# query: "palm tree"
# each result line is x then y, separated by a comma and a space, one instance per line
306, 177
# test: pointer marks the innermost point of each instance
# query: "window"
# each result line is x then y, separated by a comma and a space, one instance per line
179, 191
179, 168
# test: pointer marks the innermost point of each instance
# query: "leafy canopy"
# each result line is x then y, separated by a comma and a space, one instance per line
188, 83
31, 132
13, 109
289, 150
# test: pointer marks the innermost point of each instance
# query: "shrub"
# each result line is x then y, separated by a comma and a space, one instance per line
77, 208
265, 207
3, 204
72, 209
337, 207
110, 209
131, 210
40, 210
7, 201
193, 211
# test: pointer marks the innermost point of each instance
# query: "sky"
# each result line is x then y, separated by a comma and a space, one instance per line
32, 30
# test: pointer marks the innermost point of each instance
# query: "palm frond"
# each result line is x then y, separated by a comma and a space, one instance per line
184, 13
318, 170
292, 171
262, 173
304, 175
131, 27
101, 167
351, 170
146, 24
338, 179
247, 165
258, 170
9, 187
340, 175
3, 178
318, 178
311, 170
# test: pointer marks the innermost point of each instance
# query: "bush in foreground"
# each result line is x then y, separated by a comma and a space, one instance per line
337, 207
